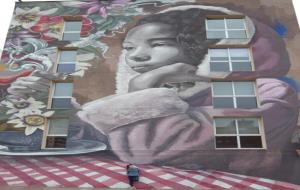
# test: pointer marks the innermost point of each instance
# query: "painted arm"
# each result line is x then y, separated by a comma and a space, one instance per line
174, 131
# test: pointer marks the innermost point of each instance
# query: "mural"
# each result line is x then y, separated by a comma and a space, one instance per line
142, 87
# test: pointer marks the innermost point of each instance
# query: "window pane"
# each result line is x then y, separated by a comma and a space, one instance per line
71, 36
66, 68
223, 102
244, 88
56, 142
72, 26
235, 23
251, 142
63, 89
226, 142
67, 56
215, 24
222, 88
241, 66
246, 102
225, 126
219, 66
218, 54
216, 34
248, 126
61, 103
237, 34
58, 127
239, 54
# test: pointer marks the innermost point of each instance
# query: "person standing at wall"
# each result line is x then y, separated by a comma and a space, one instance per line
133, 174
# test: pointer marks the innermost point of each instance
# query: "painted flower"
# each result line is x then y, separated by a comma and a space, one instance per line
50, 28
19, 32
87, 26
18, 105
31, 120
96, 6
29, 17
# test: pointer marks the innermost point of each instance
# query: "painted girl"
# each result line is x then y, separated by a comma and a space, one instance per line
162, 112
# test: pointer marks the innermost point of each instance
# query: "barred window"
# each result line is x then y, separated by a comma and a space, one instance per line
62, 94
66, 61
57, 133
230, 59
238, 133
234, 95
71, 31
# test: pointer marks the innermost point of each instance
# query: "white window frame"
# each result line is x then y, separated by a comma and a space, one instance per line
234, 96
71, 32
229, 59
226, 28
53, 87
237, 135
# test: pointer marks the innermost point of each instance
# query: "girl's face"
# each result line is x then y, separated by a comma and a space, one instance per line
153, 45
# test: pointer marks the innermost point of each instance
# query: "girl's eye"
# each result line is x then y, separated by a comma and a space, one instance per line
128, 48
158, 44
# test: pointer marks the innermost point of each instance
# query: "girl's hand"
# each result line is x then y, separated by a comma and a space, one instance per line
175, 73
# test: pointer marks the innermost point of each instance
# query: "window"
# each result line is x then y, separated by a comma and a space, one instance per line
225, 28
67, 61
57, 133
234, 95
62, 95
72, 30
230, 59
238, 133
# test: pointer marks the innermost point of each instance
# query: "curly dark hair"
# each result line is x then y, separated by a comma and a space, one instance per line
190, 28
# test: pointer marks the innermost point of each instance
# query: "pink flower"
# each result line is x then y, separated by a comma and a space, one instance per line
95, 6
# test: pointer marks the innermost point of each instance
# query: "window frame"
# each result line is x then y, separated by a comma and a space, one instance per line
52, 91
46, 134
238, 135
226, 29
251, 60
59, 52
234, 96
66, 19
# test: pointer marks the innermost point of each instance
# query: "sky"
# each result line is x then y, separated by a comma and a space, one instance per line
7, 7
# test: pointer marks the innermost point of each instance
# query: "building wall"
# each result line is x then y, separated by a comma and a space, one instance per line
150, 100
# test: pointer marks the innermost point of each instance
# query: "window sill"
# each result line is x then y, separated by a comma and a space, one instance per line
243, 149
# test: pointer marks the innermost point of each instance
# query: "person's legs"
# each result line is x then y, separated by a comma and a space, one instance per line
136, 178
131, 180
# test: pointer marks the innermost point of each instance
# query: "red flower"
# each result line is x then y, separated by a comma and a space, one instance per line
87, 26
